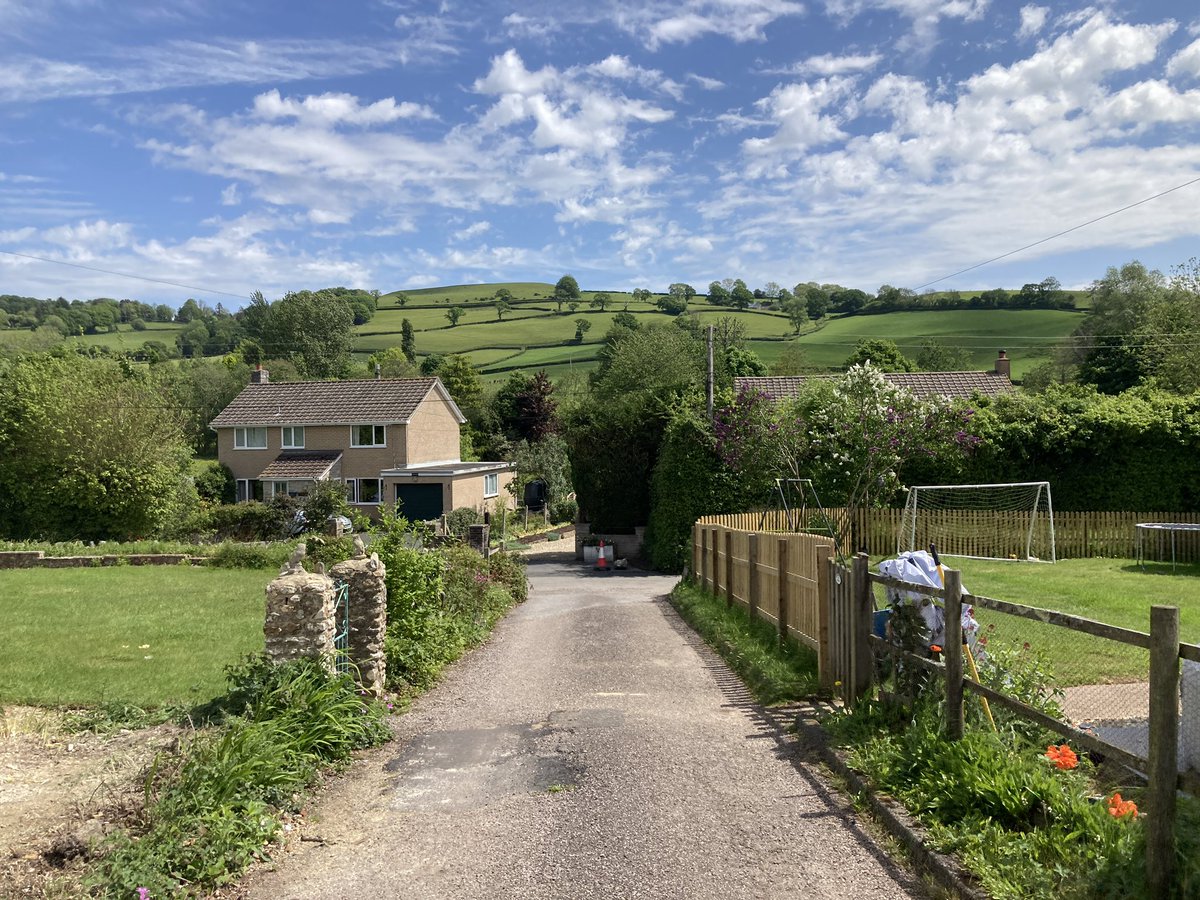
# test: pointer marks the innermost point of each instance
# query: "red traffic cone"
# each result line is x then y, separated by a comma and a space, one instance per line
601, 562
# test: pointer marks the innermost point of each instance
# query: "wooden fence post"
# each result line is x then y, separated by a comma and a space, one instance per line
715, 547
953, 651
783, 590
702, 564
824, 601
861, 615
1164, 737
753, 586
729, 568
697, 555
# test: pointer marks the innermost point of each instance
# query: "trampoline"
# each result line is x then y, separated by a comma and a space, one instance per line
1160, 535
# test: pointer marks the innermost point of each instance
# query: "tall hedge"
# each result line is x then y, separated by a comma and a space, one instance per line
689, 481
1139, 450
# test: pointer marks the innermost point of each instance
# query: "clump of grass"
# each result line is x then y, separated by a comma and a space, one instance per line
217, 808
774, 673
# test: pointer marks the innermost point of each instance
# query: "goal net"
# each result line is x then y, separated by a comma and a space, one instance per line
982, 521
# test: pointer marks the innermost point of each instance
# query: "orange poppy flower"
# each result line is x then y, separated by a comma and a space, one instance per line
1121, 808
1062, 756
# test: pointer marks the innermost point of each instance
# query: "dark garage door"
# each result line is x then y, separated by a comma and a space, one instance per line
419, 502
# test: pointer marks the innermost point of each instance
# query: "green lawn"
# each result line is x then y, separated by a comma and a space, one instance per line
141, 635
1113, 591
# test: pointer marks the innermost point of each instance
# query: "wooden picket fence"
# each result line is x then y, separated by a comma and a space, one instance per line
777, 577
1077, 535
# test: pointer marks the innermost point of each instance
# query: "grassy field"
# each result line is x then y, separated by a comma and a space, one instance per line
1027, 334
144, 636
544, 338
1113, 591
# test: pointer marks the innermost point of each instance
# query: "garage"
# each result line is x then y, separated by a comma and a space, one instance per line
419, 502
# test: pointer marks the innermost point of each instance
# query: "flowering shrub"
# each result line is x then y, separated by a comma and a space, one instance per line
851, 436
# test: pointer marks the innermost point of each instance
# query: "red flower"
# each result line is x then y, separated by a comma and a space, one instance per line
1062, 756
1121, 808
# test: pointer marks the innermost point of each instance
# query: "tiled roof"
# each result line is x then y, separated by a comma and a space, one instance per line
376, 401
300, 464
955, 385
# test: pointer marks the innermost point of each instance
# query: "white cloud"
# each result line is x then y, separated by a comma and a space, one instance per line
799, 111
1185, 63
473, 230
337, 109
1033, 19
709, 84
925, 16
230, 196
954, 175
185, 63
827, 64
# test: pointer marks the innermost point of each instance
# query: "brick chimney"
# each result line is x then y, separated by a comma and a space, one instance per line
1004, 365
260, 375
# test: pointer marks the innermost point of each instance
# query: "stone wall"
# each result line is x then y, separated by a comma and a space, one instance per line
299, 620
303, 618
29, 559
367, 625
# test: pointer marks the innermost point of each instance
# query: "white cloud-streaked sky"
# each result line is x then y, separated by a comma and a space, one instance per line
389, 144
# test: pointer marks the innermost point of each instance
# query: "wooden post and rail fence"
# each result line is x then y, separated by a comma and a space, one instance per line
795, 581
1077, 535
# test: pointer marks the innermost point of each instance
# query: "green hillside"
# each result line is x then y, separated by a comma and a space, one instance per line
534, 335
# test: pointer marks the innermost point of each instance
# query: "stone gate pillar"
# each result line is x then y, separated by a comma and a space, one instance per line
367, 617
299, 620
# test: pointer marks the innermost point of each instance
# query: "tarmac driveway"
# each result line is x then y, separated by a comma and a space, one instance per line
593, 748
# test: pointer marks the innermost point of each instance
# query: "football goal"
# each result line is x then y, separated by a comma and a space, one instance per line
981, 521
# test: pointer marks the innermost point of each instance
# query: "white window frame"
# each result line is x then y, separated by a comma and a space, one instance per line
287, 437
378, 434
275, 491
491, 485
241, 436
355, 492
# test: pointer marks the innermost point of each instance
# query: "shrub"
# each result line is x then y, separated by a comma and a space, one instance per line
249, 521
235, 555
215, 484
440, 602
328, 550
458, 520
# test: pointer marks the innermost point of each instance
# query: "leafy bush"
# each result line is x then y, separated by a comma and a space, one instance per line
215, 810
235, 555
440, 602
459, 520
215, 483
328, 550
250, 521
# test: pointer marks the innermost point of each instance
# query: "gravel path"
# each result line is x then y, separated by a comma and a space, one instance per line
593, 748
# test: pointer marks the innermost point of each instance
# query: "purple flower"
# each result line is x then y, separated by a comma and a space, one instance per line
143, 893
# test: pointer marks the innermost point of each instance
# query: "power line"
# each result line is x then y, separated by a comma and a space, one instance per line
1059, 234
60, 262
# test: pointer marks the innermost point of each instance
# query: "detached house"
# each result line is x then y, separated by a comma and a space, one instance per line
390, 441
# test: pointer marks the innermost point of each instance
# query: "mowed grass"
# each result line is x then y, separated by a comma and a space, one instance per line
141, 635
1113, 591
1029, 335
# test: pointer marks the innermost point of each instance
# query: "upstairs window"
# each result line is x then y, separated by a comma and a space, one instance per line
250, 438
292, 437
368, 436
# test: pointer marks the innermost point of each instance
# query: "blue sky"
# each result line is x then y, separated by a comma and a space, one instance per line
276, 146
